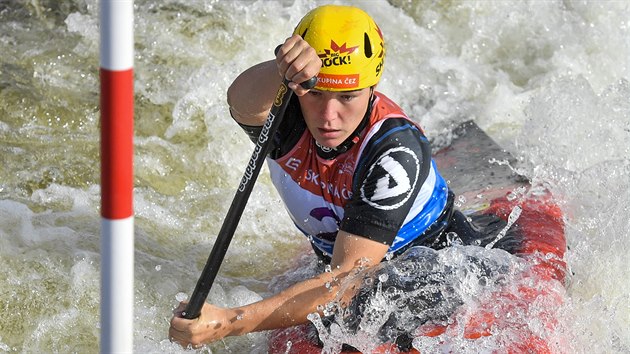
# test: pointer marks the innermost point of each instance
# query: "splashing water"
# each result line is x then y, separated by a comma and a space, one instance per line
514, 215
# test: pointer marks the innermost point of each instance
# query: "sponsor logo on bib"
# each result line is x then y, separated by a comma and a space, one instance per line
399, 168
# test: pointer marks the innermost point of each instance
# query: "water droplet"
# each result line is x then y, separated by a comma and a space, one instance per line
181, 297
313, 316
453, 239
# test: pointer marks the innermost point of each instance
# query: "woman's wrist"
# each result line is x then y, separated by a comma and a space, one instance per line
236, 322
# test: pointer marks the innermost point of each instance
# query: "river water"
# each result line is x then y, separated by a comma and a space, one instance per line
548, 80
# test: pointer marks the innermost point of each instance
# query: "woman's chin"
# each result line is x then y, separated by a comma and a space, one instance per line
328, 143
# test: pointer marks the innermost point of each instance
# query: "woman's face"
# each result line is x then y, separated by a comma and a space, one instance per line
332, 116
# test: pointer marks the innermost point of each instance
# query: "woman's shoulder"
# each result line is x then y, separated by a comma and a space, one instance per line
384, 106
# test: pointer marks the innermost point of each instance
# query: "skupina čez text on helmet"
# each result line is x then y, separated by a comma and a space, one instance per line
349, 43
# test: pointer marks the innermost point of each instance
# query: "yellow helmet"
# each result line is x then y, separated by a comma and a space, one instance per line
349, 43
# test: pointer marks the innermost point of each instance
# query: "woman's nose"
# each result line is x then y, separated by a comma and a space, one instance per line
330, 109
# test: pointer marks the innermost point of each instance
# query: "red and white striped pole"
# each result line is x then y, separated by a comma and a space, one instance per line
117, 235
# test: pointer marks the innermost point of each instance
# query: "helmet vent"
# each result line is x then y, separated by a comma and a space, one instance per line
368, 45
304, 33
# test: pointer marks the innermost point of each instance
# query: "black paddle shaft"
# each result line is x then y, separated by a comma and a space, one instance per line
193, 310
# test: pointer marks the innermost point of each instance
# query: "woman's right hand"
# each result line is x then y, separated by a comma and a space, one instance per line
298, 62
213, 323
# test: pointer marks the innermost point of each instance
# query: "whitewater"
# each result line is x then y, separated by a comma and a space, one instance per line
547, 80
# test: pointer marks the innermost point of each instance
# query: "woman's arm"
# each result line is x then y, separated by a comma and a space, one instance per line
251, 94
287, 308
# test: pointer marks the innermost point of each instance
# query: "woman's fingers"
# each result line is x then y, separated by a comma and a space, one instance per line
297, 61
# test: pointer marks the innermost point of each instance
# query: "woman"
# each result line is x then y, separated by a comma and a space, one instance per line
354, 172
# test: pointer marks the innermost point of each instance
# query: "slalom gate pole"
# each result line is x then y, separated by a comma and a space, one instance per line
209, 273
117, 219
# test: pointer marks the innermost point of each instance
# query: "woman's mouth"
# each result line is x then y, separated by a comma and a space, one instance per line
328, 133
